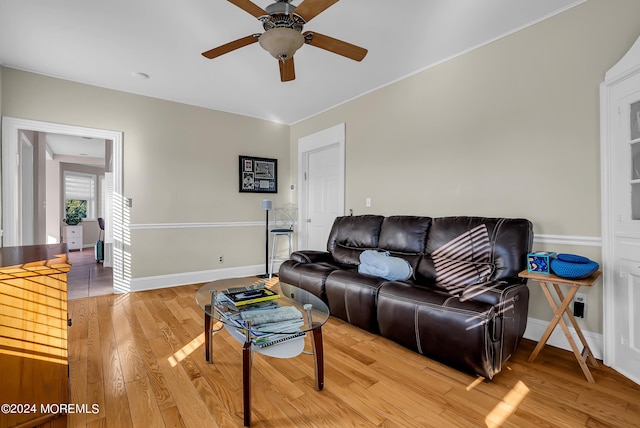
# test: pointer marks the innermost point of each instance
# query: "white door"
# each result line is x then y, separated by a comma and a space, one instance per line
625, 174
321, 178
322, 196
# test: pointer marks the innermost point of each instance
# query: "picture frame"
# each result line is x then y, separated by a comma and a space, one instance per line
258, 175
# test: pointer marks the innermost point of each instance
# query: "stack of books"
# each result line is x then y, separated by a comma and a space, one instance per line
245, 296
270, 323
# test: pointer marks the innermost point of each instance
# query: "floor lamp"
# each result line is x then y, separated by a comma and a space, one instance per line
266, 206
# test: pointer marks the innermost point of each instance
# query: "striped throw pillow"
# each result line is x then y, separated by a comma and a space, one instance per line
464, 261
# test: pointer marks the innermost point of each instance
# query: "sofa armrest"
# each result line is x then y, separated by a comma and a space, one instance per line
511, 301
311, 256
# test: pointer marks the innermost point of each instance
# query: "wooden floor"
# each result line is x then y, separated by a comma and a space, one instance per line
139, 357
87, 277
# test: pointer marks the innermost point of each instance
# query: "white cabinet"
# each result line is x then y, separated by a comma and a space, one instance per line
72, 236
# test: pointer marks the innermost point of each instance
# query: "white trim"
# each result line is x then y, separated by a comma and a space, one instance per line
10, 128
536, 328
177, 279
572, 240
319, 140
578, 241
625, 68
220, 224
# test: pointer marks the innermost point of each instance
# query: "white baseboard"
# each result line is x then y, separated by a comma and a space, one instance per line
173, 280
535, 330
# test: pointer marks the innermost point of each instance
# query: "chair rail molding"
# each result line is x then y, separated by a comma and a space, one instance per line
577, 241
195, 225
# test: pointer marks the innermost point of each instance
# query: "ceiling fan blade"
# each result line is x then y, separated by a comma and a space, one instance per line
231, 46
287, 70
309, 9
339, 47
249, 6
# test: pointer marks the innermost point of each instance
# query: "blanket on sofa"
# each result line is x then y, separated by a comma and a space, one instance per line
382, 265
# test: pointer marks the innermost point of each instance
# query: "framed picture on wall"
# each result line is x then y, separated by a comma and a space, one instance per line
258, 175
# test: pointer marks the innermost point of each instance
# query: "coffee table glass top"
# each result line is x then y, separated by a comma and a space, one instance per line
292, 300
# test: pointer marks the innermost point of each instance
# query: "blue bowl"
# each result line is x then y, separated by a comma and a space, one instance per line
580, 270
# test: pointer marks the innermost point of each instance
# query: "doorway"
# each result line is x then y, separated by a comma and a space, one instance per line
321, 180
11, 192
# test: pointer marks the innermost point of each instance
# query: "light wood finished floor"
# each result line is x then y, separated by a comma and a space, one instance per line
140, 358
87, 277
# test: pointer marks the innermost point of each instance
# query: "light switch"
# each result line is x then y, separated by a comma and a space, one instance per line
367, 202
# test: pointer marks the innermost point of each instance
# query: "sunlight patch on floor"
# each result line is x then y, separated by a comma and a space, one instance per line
475, 383
186, 350
507, 406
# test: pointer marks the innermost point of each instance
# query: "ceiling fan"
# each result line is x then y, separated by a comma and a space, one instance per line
283, 36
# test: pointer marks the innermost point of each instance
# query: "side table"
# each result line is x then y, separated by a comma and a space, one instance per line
549, 282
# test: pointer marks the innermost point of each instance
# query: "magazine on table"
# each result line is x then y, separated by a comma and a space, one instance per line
271, 323
250, 295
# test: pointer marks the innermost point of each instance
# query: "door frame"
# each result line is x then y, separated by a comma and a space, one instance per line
306, 145
625, 68
10, 192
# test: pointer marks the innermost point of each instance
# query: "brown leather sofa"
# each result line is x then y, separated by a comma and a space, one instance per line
463, 304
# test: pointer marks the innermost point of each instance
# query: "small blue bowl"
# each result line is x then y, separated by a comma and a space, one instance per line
567, 269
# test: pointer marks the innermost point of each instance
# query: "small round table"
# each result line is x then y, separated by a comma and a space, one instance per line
315, 314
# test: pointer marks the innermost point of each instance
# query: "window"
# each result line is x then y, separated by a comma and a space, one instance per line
80, 195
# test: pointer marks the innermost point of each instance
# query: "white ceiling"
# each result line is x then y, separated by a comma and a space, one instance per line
68, 145
102, 43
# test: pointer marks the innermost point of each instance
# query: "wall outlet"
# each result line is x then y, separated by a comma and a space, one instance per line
221, 259
579, 305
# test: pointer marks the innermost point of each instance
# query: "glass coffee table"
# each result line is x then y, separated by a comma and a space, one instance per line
290, 343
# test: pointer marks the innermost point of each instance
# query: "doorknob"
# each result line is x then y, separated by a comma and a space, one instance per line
308, 220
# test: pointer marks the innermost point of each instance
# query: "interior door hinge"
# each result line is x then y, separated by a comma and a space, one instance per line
305, 176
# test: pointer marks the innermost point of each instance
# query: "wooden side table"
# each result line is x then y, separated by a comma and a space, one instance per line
549, 282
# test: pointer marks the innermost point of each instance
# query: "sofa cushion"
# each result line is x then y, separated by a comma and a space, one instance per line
308, 276
456, 275
404, 234
507, 238
350, 236
461, 261
352, 297
438, 325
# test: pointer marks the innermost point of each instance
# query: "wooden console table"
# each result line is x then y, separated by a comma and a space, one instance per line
547, 282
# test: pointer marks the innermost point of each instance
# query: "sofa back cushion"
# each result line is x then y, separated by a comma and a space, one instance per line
351, 235
405, 236
479, 249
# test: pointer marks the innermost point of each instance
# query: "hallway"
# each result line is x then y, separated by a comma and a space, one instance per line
87, 277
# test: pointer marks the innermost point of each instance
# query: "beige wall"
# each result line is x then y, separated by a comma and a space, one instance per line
510, 129
180, 167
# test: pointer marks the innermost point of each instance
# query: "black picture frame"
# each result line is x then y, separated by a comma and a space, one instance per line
258, 175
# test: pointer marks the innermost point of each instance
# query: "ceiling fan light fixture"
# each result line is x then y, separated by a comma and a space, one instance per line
281, 43
280, 7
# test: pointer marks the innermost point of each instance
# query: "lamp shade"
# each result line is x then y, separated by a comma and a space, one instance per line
266, 204
281, 42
